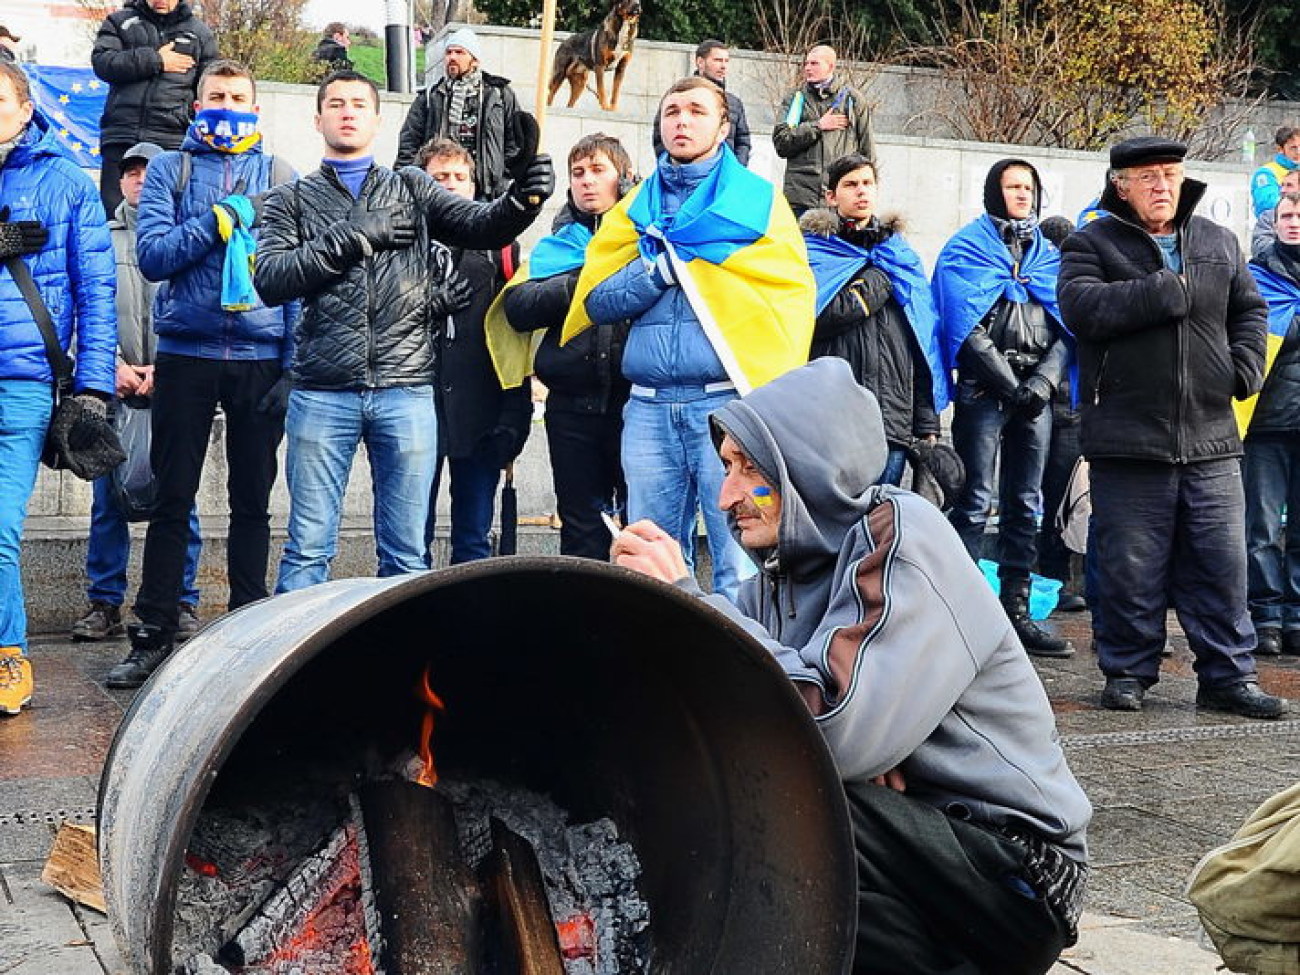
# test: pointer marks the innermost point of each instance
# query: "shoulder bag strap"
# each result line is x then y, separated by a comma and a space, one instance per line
60, 364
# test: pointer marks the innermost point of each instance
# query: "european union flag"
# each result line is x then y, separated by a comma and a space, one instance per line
73, 100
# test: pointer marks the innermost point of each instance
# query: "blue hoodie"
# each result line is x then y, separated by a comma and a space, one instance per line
74, 271
178, 244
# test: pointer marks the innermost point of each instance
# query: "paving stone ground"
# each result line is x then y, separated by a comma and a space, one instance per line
1168, 784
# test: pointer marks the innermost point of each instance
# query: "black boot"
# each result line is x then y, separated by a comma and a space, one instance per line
149, 648
1038, 642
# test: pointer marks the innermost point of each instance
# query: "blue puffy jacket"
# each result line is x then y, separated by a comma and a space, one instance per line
74, 271
178, 244
667, 346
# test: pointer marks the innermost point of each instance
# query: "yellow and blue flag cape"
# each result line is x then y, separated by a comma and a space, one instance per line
1283, 297
975, 269
73, 100
743, 249
835, 261
512, 352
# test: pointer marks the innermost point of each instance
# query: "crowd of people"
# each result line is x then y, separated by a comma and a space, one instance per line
671, 319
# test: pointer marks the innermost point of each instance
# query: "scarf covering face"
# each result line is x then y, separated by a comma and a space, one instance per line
225, 130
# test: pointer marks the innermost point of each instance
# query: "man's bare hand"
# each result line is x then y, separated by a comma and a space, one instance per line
174, 62
127, 380
146, 380
833, 122
893, 779
646, 548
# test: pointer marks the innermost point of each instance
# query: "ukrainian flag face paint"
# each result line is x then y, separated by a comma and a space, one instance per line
762, 496
752, 504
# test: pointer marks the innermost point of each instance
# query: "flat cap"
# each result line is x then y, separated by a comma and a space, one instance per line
1144, 150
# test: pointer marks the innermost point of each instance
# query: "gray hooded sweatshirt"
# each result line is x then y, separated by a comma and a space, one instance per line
889, 631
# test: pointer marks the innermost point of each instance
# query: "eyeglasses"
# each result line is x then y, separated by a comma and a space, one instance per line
1151, 178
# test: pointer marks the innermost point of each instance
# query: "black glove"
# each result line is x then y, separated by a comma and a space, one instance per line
504, 445
275, 402
84, 438
1030, 398
526, 134
391, 228
454, 294
536, 184
19, 237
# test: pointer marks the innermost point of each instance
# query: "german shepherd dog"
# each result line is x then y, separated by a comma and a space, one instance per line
599, 49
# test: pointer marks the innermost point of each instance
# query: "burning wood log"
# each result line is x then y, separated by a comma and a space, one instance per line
526, 939
428, 900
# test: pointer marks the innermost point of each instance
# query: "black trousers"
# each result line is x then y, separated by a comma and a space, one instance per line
186, 394
940, 895
110, 174
1053, 556
587, 469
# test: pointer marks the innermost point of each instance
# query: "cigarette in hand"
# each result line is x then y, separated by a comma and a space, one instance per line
611, 524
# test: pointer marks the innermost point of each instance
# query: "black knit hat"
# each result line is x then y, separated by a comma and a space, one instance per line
994, 202
1144, 150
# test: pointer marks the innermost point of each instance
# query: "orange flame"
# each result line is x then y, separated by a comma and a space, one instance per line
428, 774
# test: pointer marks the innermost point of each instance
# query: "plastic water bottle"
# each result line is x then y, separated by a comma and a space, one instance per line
1248, 147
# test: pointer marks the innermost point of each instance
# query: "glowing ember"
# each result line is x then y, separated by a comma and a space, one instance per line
577, 937
433, 704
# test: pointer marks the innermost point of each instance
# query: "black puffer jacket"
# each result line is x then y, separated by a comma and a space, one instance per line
1278, 409
494, 148
365, 321
1161, 355
144, 103
586, 375
866, 326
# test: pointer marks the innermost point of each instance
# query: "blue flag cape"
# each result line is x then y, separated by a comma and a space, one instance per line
835, 261
975, 269
1283, 297
562, 251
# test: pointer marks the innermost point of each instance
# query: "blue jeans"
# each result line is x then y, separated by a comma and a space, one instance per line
474, 481
25, 407
672, 468
982, 428
109, 548
1272, 482
400, 430
895, 464
1170, 536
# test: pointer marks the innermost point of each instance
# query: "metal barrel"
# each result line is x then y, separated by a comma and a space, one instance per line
614, 694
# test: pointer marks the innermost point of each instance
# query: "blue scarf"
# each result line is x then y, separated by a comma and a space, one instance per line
237, 293
834, 263
975, 270
562, 251
225, 130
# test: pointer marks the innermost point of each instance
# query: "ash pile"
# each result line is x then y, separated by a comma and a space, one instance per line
466, 877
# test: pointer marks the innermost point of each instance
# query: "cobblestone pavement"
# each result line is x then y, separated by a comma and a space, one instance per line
1167, 783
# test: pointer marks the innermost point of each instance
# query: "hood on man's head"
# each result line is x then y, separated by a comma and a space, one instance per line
818, 438
466, 38
994, 202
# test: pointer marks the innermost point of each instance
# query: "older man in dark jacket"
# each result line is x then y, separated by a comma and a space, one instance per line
152, 54
1170, 330
352, 239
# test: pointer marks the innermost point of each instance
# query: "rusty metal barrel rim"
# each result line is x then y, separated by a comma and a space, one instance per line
732, 777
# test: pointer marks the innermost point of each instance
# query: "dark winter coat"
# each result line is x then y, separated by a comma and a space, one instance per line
865, 326
144, 103
1278, 407
471, 403
807, 150
332, 53
366, 321
495, 147
585, 375
1161, 355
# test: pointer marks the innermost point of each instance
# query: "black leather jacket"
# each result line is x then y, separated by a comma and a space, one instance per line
365, 321
1161, 355
494, 148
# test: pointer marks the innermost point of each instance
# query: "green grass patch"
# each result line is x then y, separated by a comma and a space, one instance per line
369, 60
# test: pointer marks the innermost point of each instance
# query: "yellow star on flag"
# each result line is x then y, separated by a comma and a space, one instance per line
64, 99
77, 146
77, 88
94, 86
